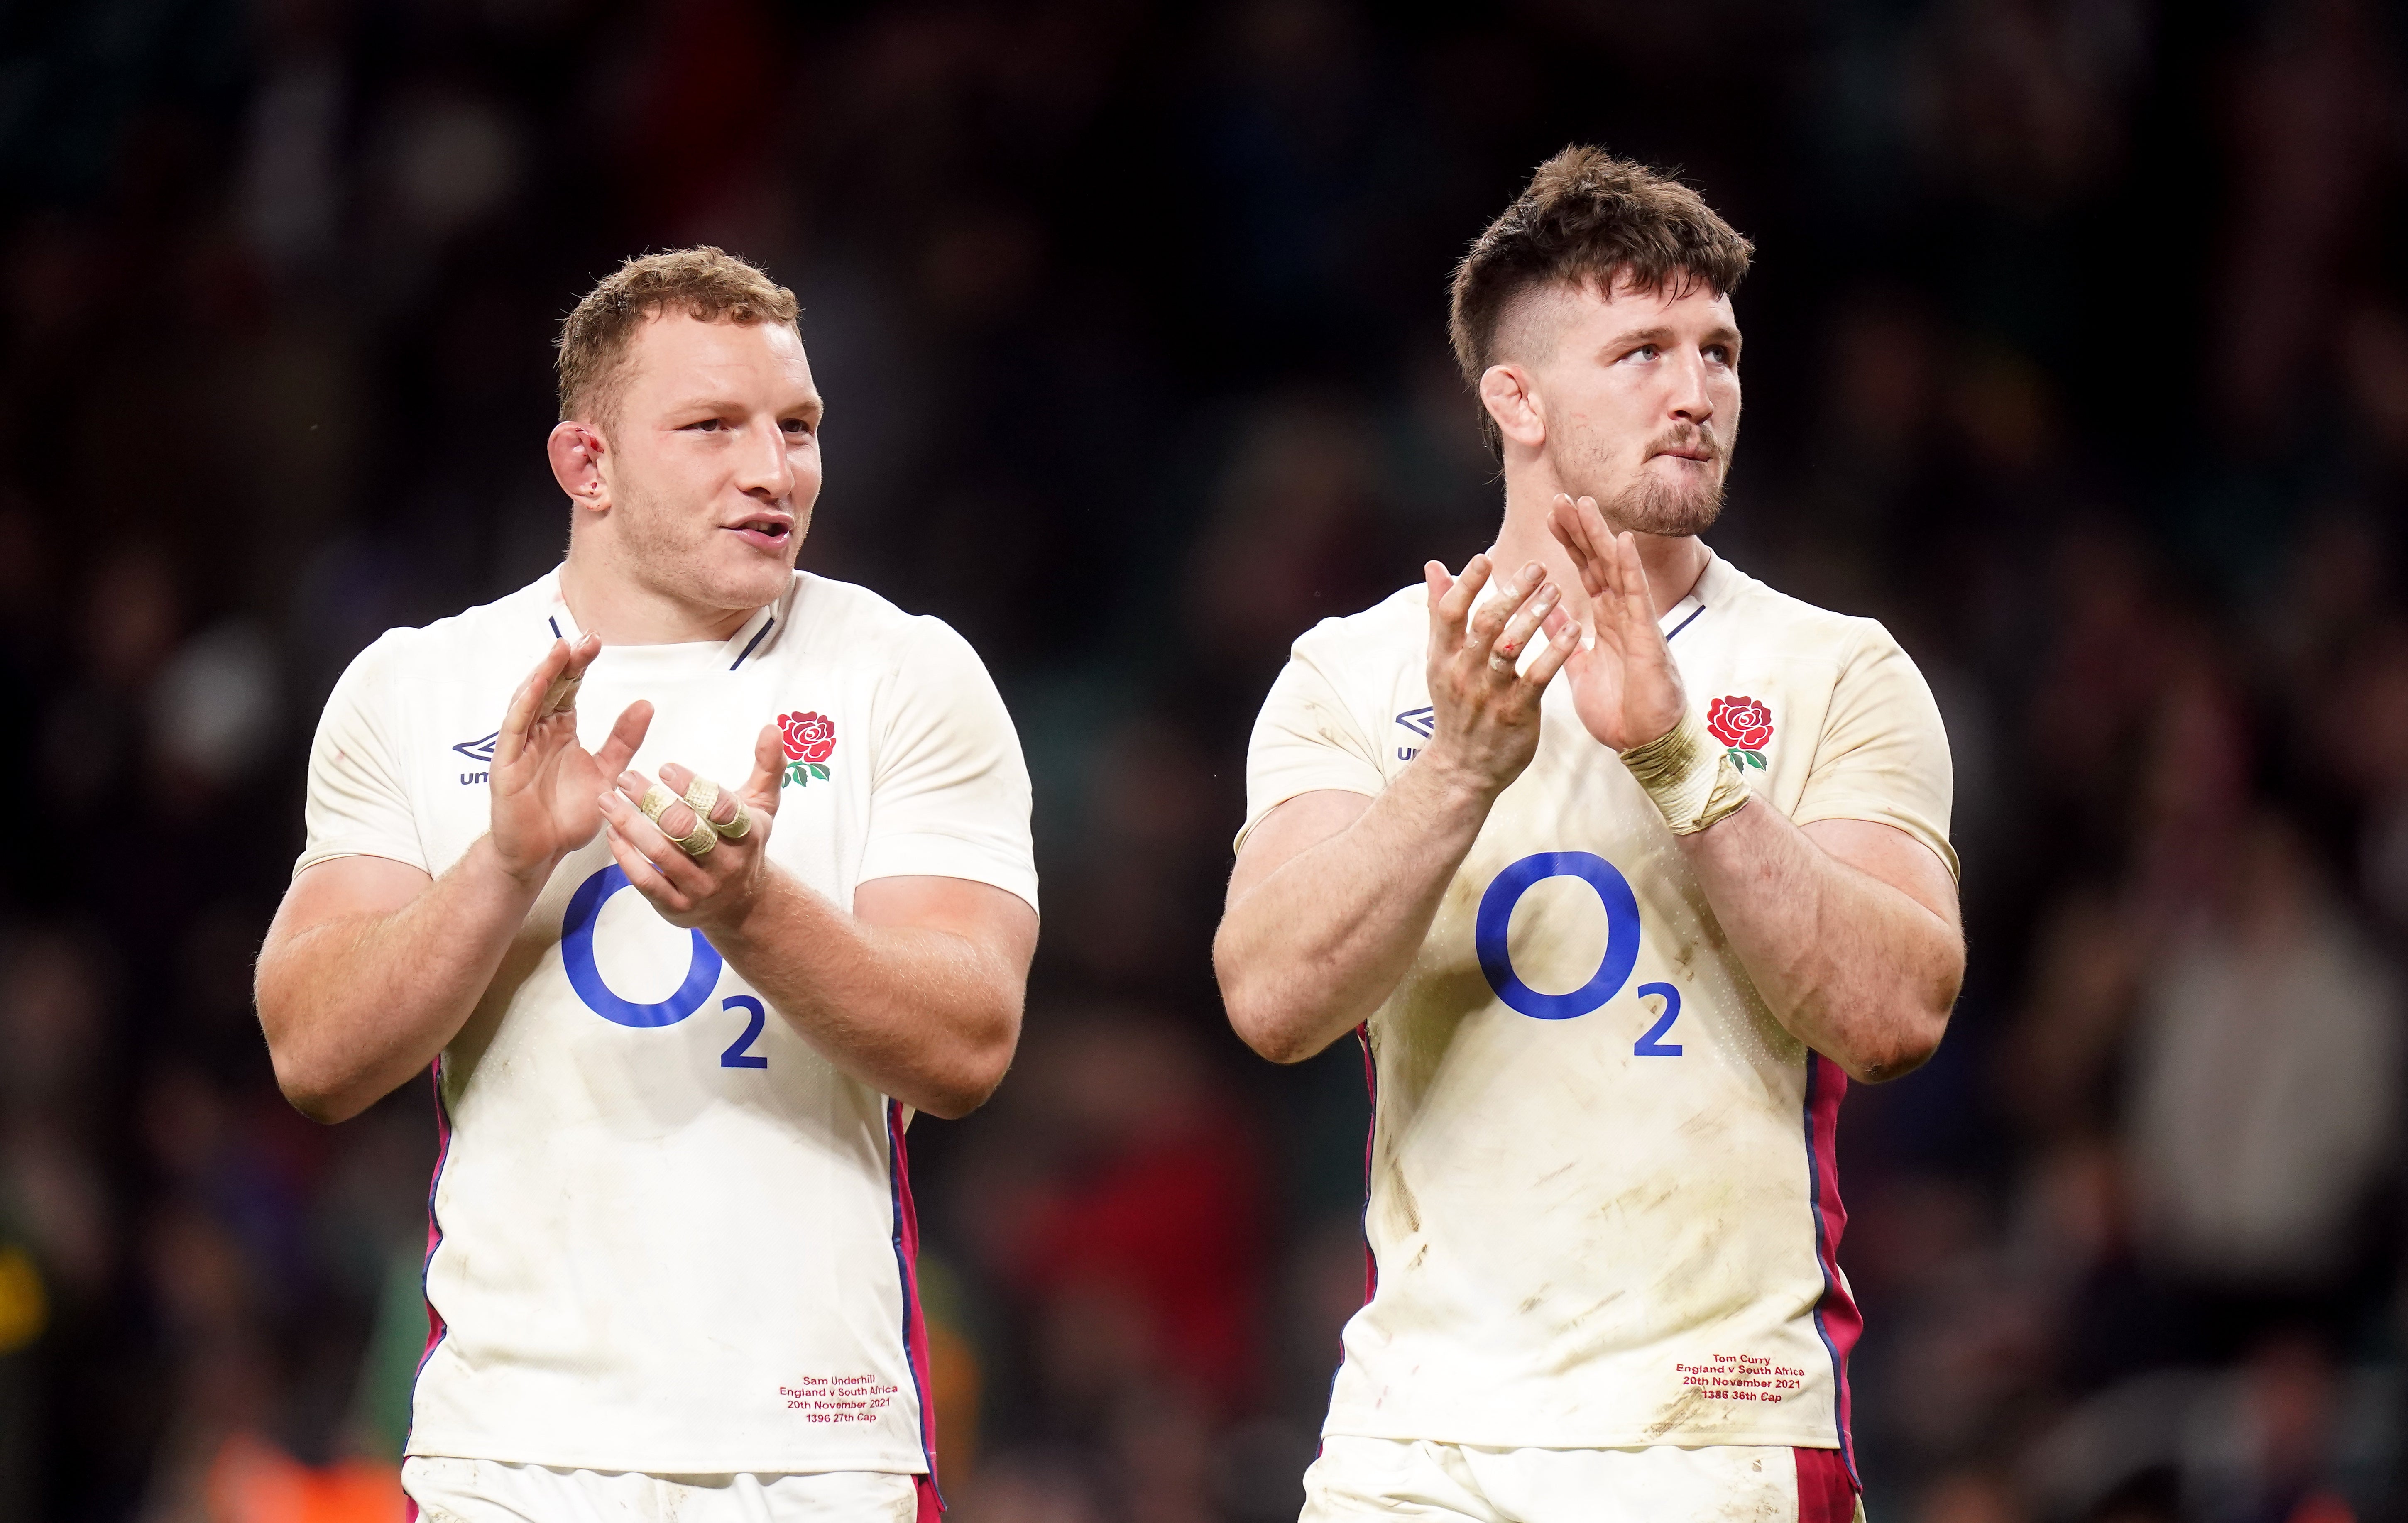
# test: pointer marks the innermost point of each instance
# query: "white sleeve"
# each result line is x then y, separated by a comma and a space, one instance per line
1882, 755
1306, 740
357, 806
950, 798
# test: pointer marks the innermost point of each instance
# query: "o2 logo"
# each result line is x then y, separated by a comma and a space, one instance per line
1613, 966
701, 976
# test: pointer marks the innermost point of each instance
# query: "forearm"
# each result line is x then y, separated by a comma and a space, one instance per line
1308, 953
1850, 965
926, 1016
352, 1005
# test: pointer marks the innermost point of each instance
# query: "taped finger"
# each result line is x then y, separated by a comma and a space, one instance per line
718, 809
692, 836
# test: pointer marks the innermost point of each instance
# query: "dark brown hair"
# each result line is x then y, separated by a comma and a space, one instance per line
1587, 218
709, 284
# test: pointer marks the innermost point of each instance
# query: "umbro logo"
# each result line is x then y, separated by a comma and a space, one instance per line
478, 750
1421, 721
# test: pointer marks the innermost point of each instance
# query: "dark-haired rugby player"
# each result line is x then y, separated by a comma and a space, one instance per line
1623, 863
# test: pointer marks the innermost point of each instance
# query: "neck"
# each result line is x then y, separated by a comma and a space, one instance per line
1673, 562
620, 610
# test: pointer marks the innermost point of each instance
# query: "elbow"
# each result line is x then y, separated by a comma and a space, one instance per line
1262, 1009
974, 1075
1267, 1034
318, 1095
1906, 1045
308, 1084
1262, 1024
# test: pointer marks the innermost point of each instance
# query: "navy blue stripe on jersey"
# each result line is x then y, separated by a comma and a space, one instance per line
756, 641
555, 628
1686, 622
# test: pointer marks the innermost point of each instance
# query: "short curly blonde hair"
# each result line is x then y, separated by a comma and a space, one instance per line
709, 284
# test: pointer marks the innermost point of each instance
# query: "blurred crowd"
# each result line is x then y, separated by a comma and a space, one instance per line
2078, 353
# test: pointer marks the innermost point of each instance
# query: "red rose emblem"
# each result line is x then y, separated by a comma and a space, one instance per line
1741, 723
808, 737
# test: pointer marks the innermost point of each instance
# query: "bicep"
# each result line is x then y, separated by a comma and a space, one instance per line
343, 888
1897, 858
1289, 831
996, 921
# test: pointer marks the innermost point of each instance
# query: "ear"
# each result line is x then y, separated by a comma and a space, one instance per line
576, 450
1506, 392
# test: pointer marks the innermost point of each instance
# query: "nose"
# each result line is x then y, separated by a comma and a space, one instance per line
763, 469
1690, 401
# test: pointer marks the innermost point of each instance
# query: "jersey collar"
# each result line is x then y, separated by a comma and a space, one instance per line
751, 640
1712, 585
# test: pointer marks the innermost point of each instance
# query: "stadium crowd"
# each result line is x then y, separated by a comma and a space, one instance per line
2079, 351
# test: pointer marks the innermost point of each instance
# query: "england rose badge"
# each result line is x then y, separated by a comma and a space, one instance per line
809, 740
1742, 724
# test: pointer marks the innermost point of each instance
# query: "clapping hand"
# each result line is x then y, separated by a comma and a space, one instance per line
1484, 713
1626, 686
544, 783
702, 869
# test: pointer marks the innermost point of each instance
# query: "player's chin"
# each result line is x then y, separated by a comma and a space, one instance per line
746, 573
1683, 506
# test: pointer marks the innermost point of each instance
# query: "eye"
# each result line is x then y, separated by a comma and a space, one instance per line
1644, 354
707, 425
1721, 354
799, 427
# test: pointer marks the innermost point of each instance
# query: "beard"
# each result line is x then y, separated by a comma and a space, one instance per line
1649, 506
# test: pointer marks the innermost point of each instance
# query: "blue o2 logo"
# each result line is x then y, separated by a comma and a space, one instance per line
1621, 933
577, 956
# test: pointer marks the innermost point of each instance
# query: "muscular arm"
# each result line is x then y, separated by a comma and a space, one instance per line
371, 968
917, 992
1333, 891
1331, 898
1847, 927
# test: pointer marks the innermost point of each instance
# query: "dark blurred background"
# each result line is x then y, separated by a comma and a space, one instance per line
2077, 354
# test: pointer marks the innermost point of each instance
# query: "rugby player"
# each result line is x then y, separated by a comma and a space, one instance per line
1622, 863
670, 1244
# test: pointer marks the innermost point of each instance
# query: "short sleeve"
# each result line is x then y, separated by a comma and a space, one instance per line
357, 807
1306, 740
950, 798
1884, 753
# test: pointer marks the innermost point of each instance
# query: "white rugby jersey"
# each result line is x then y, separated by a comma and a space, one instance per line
1603, 1204
665, 1234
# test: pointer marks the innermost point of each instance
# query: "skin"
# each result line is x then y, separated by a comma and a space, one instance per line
693, 484
1617, 410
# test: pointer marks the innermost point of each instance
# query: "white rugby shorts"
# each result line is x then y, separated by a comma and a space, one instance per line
1456, 1483
444, 1490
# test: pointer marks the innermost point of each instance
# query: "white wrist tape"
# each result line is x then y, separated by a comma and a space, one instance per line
1692, 779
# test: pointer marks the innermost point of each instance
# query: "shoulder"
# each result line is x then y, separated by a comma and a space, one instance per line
514, 620
459, 646
1764, 615
1394, 629
901, 663
829, 614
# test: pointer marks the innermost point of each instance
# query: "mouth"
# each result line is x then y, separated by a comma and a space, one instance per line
1695, 453
765, 530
